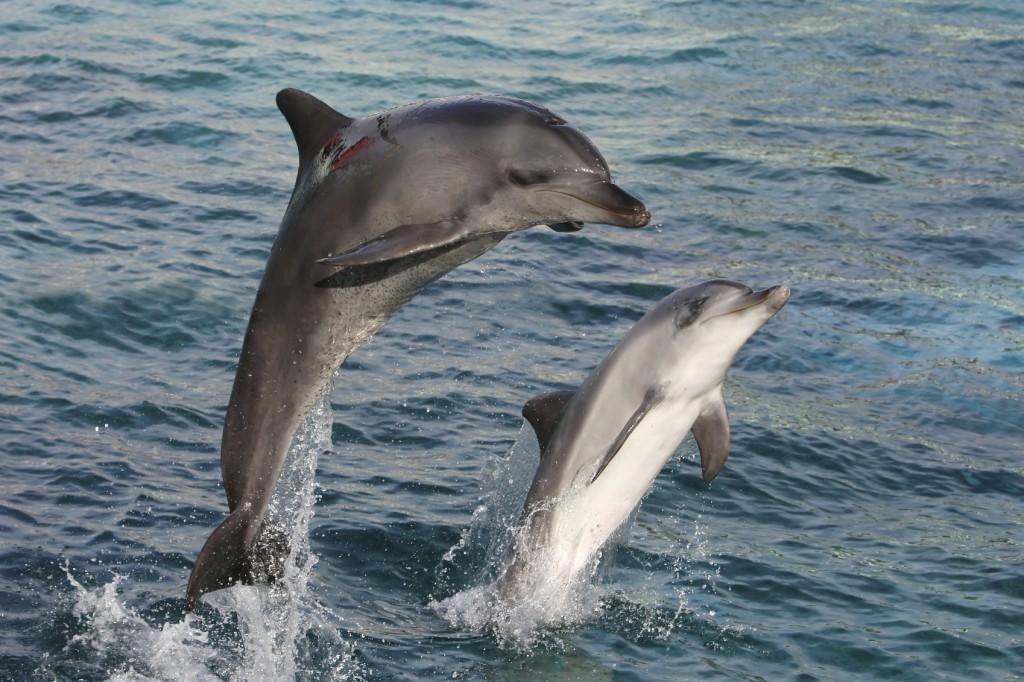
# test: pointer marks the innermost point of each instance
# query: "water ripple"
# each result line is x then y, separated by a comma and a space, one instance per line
866, 154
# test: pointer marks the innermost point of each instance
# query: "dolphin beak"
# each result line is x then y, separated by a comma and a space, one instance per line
606, 203
773, 298
776, 297
623, 208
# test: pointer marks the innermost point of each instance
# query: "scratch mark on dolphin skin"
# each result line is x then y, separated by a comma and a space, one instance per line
363, 143
332, 142
383, 123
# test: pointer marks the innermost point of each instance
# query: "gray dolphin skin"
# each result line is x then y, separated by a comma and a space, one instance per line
382, 206
603, 445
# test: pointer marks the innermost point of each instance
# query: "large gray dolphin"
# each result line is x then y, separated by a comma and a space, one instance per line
603, 445
382, 206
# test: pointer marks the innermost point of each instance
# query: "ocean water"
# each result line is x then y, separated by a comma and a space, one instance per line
869, 523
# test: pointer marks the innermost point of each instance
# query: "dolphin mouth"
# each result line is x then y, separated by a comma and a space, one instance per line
615, 205
567, 226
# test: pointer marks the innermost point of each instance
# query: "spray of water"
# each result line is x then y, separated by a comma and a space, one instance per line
480, 556
119, 640
635, 606
250, 633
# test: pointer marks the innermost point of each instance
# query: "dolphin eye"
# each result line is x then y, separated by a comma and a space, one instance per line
523, 178
689, 311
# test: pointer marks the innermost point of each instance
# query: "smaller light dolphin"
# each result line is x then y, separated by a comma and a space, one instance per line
603, 445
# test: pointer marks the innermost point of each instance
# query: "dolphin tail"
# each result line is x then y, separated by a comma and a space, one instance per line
230, 557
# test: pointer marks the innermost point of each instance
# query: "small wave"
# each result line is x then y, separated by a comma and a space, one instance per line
180, 133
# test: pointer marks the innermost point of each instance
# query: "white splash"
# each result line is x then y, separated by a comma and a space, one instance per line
254, 633
484, 547
129, 646
524, 625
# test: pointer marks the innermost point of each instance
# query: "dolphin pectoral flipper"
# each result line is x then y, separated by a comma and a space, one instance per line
401, 242
544, 412
653, 396
711, 431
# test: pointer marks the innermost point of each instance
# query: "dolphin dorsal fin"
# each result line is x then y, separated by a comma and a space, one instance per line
312, 121
711, 431
544, 412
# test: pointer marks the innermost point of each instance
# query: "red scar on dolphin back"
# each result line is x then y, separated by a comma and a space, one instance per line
348, 153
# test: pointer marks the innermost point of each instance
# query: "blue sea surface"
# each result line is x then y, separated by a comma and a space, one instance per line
870, 521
